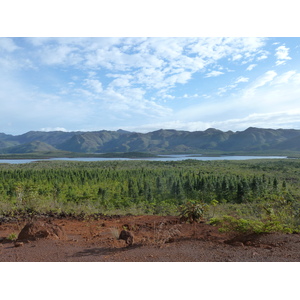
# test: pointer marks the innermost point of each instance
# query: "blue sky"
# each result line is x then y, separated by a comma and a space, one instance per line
145, 84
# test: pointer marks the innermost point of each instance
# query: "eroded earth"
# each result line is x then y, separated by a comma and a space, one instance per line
155, 239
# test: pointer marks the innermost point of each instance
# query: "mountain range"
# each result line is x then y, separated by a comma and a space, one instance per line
160, 141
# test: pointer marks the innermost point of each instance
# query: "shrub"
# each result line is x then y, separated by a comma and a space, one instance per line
240, 225
115, 232
12, 237
192, 212
232, 224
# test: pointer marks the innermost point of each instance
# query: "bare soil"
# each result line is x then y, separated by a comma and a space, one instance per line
155, 239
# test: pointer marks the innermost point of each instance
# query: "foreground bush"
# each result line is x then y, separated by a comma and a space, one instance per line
240, 225
192, 212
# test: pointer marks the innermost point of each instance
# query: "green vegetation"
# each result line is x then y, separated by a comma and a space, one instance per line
257, 195
12, 237
66, 154
192, 212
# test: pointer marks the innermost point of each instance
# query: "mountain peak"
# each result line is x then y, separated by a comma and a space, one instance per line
212, 130
160, 141
123, 131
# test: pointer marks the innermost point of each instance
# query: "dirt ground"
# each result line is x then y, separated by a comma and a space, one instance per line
156, 239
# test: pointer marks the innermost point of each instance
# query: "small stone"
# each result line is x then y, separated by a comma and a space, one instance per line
239, 244
19, 244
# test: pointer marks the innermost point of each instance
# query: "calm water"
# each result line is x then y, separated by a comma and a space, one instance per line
160, 158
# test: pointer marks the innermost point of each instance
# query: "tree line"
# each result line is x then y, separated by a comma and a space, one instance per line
156, 187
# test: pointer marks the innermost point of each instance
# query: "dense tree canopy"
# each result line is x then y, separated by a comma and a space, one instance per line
154, 187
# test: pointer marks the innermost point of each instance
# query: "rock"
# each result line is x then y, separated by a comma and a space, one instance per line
126, 236
37, 229
19, 244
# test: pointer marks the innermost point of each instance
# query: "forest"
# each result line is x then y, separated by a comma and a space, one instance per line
248, 189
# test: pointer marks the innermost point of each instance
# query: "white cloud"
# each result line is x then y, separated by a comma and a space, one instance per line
296, 79
285, 77
157, 64
223, 90
237, 57
250, 67
59, 54
166, 96
262, 80
264, 56
277, 119
7, 44
280, 62
174, 124
242, 79
282, 54
82, 109
275, 94
191, 96
226, 88
125, 100
30, 110
282, 119
11, 62
8, 64
121, 80
54, 129
285, 119
269, 101
178, 78
94, 84
213, 49
104, 80
214, 74
164, 57
259, 82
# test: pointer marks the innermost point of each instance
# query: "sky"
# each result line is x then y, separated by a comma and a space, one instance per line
145, 84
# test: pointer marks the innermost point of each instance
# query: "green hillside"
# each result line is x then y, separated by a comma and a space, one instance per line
161, 141
32, 147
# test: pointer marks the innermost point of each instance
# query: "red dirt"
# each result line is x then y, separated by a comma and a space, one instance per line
156, 239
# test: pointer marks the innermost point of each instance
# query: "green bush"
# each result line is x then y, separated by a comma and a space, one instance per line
247, 226
192, 212
12, 237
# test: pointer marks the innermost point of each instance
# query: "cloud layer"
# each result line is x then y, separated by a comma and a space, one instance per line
139, 83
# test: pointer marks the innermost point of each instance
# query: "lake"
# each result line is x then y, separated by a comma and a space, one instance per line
159, 158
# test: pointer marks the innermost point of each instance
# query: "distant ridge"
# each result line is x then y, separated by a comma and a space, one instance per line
159, 141
31, 147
